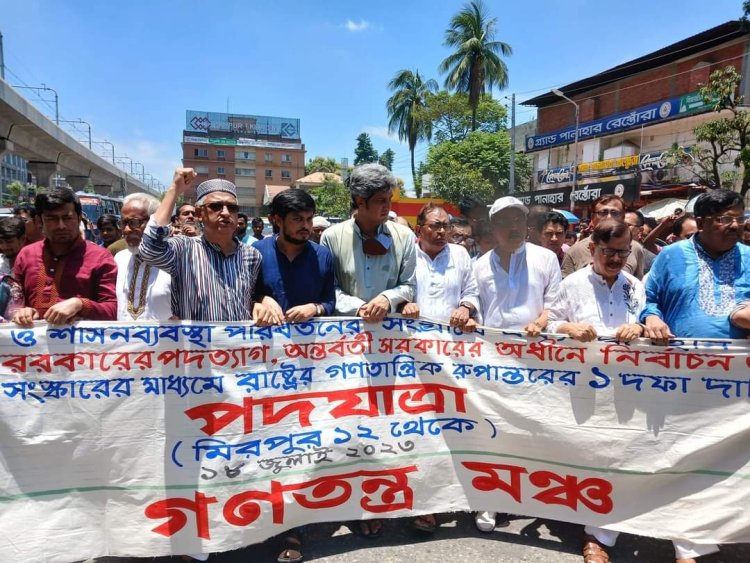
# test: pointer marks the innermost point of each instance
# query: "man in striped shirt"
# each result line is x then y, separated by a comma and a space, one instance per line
213, 276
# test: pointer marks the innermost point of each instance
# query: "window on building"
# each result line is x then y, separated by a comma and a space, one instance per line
244, 155
286, 175
244, 171
221, 154
201, 153
221, 171
286, 158
269, 157
201, 169
269, 173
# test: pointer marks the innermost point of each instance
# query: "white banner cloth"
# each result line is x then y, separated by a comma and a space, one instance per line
150, 440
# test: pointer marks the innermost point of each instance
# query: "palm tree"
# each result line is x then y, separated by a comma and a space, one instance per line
405, 111
476, 65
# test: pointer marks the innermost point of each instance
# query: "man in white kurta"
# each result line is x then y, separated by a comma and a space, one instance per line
144, 293
518, 282
446, 288
601, 299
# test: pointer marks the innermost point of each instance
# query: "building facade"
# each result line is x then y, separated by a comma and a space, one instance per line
12, 169
628, 118
252, 151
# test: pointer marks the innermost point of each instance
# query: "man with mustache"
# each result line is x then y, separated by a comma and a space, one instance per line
143, 293
296, 280
63, 276
579, 255
518, 282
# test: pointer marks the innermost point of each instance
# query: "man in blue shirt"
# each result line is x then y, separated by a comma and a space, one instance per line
296, 272
695, 285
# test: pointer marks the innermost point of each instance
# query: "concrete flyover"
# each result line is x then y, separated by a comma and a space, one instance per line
49, 150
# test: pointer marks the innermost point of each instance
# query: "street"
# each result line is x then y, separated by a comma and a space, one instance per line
458, 541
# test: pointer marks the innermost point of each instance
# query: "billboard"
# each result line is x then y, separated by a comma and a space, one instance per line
238, 124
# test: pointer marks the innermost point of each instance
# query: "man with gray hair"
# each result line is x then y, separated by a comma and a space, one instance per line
213, 276
143, 292
374, 259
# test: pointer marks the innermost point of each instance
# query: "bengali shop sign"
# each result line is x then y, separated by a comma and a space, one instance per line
148, 440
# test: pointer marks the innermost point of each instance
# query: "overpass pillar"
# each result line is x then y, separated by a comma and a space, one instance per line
6, 145
78, 183
42, 171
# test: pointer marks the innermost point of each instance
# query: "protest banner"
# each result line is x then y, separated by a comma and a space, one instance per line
148, 440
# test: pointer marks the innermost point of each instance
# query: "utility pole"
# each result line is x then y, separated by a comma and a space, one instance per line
512, 186
2, 59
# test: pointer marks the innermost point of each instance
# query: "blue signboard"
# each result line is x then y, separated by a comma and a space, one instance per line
620, 122
242, 125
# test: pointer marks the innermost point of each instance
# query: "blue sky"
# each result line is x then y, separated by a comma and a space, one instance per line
131, 69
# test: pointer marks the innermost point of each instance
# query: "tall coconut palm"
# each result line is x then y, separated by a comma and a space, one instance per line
405, 111
476, 65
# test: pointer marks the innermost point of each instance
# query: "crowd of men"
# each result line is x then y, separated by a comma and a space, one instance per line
501, 266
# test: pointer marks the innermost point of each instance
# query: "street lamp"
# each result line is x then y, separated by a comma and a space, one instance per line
79, 120
44, 87
512, 180
105, 142
121, 158
559, 93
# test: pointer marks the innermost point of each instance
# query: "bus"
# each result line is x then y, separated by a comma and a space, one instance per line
94, 205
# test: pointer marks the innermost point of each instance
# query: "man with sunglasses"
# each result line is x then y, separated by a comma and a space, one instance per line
693, 291
214, 275
374, 259
143, 292
579, 255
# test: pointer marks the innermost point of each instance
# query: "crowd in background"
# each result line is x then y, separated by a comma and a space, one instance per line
501, 265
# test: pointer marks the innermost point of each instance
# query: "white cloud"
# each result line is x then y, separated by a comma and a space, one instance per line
382, 133
355, 27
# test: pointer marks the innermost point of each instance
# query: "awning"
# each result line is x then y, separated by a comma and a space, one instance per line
572, 219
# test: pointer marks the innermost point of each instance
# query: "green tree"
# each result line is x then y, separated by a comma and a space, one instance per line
406, 112
723, 151
322, 164
475, 66
451, 115
386, 159
364, 151
13, 192
486, 154
332, 198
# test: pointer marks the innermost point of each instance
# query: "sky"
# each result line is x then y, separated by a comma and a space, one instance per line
131, 69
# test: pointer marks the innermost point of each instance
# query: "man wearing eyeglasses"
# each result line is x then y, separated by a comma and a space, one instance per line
213, 276
579, 255
693, 291
374, 259
446, 288
143, 292
601, 299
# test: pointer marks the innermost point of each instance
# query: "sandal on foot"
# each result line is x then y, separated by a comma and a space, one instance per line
291, 550
425, 523
594, 551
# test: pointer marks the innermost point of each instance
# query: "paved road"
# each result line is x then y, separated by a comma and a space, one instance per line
458, 541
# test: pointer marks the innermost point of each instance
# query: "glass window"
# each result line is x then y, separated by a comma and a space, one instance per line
221, 170
201, 153
201, 169
269, 157
221, 154
286, 174
269, 173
